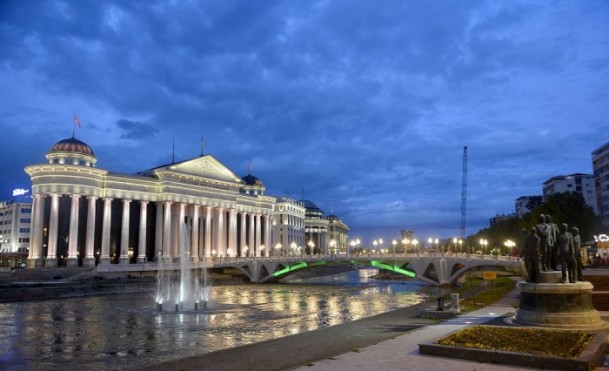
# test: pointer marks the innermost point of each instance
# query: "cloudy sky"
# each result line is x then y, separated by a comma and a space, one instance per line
362, 106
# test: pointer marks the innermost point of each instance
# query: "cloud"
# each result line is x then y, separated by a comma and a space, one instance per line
365, 106
136, 130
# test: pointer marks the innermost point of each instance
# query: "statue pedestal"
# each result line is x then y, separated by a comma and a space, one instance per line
559, 305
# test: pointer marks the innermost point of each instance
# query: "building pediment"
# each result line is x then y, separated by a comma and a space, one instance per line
202, 167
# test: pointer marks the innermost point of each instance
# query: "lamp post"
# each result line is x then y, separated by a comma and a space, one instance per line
483, 244
311, 247
333, 246
510, 245
415, 243
245, 248
375, 243
278, 249
460, 244
405, 242
394, 243
293, 248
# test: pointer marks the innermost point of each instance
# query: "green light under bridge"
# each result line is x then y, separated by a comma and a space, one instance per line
290, 268
394, 268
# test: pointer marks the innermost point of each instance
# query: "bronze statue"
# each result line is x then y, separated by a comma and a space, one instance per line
552, 248
530, 253
579, 259
543, 232
567, 253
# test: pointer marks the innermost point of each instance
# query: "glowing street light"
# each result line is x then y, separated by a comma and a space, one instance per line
510, 245
405, 242
483, 244
415, 243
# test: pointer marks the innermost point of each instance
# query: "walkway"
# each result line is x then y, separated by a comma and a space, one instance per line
402, 352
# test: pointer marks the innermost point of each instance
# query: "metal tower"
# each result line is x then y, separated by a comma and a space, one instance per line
464, 193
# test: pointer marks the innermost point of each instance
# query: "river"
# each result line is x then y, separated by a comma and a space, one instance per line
126, 330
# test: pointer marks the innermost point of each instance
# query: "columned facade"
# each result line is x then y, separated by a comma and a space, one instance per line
84, 216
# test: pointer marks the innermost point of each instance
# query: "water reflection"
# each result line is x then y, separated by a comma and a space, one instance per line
121, 331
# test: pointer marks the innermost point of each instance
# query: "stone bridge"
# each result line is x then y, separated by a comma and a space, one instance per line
433, 269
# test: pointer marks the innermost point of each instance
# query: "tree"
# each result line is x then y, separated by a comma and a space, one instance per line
568, 207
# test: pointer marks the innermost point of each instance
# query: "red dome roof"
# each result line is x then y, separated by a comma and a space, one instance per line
72, 145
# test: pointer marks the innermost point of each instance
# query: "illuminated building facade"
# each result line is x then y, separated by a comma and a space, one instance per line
288, 226
338, 232
83, 215
600, 166
316, 229
15, 224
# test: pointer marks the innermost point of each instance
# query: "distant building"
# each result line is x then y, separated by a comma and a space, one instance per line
501, 217
578, 183
525, 204
316, 229
600, 166
288, 226
15, 224
339, 235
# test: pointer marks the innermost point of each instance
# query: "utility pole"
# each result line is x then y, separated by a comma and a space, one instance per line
464, 193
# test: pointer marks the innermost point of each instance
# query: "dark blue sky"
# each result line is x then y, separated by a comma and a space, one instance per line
365, 105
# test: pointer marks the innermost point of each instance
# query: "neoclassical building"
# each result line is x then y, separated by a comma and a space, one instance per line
84, 215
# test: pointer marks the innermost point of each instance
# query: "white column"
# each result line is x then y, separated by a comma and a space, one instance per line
243, 234
232, 231
51, 260
105, 247
158, 232
167, 231
141, 246
194, 234
73, 236
219, 242
180, 240
258, 234
267, 233
89, 260
207, 246
251, 235
124, 257
35, 258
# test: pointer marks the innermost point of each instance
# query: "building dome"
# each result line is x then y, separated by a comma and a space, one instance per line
251, 180
71, 151
72, 145
311, 210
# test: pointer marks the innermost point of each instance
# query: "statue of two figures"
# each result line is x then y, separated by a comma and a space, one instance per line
546, 245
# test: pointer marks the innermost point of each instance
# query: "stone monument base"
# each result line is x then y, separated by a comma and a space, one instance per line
559, 305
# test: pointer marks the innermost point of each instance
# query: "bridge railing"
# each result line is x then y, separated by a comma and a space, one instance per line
318, 257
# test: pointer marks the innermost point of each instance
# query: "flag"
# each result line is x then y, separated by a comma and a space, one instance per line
76, 121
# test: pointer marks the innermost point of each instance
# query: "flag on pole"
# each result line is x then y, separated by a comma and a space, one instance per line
76, 121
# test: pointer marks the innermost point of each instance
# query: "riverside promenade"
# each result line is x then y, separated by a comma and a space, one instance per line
398, 352
402, 352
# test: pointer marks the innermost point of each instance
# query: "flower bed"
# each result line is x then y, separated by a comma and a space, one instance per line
558, 343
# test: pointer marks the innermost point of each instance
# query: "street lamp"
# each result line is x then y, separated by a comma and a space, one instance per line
415, 243
483, 243
262, 247
375, 243
293, 247
311, 247
333, 246
405, 242
245, 248
278, 249
509, 244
